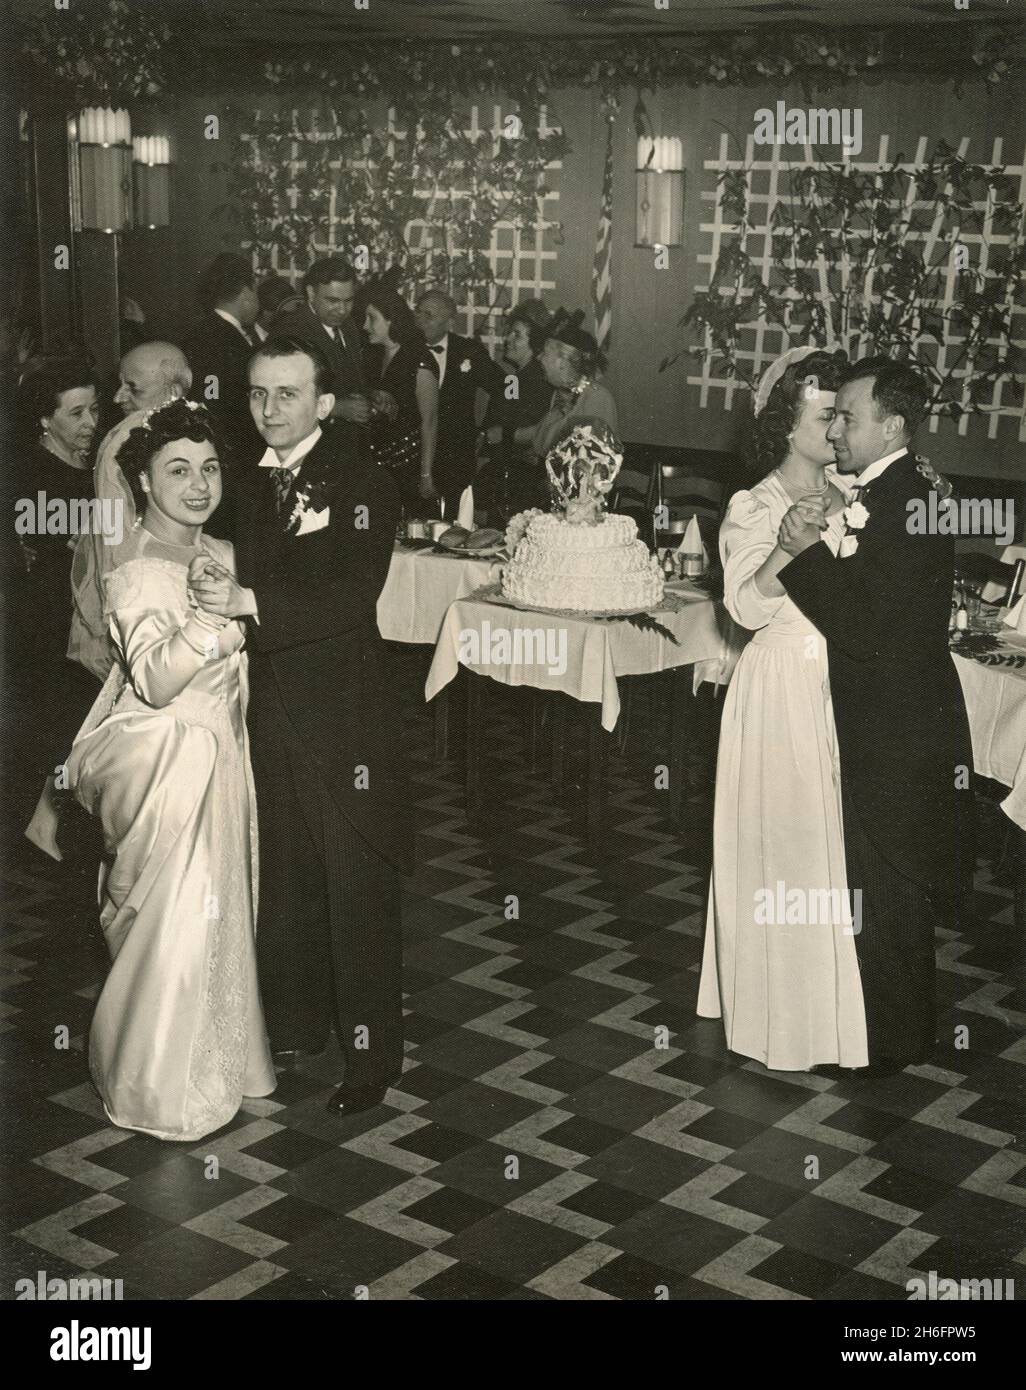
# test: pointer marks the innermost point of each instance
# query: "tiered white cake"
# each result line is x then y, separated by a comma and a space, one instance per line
598, 567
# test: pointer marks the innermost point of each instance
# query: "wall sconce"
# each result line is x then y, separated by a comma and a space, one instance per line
152, 170
660, 191
105, 169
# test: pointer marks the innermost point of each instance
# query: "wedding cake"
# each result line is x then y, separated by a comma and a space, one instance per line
580, 558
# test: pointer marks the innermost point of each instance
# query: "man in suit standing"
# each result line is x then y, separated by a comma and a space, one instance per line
325, 321
315, 535
219, 347
464, 368
883, 606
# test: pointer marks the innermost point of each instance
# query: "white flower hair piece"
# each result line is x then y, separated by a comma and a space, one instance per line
776, 370
144, 423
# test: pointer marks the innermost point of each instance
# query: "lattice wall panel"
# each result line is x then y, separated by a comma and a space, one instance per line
768, 182
521, 259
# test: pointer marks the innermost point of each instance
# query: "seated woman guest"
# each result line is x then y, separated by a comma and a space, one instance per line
400, 365
513, 478
570, 360
780, 968
60, 410
178, 1036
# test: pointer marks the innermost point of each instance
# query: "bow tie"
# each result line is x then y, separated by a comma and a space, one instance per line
437, 347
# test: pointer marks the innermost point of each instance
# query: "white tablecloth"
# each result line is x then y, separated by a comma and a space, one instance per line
995, 701
419, 588
596, 652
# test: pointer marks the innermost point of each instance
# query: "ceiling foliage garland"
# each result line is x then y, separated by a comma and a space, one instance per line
104, 52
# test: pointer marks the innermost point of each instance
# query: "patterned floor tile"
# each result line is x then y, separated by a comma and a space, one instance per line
543, 1143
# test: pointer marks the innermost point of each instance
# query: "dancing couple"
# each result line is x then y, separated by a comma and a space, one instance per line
243, 759
843, 733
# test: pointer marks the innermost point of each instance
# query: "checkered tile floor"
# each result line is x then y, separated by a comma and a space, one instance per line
541, 1144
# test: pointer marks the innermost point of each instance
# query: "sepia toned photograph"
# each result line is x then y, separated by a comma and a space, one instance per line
514, 664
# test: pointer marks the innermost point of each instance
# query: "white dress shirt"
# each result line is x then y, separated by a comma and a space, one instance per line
875, 469
439, 351
295, 458
230, 318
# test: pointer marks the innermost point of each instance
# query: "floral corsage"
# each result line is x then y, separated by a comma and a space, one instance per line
856, 514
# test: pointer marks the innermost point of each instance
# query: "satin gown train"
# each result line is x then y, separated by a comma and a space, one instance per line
178, 1036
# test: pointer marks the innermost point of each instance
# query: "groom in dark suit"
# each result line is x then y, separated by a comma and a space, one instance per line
883, 605
315, 536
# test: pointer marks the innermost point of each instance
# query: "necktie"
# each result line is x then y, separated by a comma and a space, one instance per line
339, 338
283, 478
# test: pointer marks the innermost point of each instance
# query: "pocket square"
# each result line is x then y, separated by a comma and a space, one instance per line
313, 521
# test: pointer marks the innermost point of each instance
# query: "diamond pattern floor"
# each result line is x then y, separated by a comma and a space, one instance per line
543, 1143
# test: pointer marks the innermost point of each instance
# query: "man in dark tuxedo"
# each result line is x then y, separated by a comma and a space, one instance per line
315, 534
464, 368
883, 605
325, 321
218, 350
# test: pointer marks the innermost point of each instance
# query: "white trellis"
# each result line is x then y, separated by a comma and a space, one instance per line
522, 260
768, 340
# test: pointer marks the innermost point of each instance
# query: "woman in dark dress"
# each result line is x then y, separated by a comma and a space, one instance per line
399, 364
514, 479
59, 407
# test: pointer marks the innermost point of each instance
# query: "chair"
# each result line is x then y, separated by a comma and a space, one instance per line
680, 491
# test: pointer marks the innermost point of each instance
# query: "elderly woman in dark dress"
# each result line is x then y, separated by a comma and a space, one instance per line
514, 477
59, 408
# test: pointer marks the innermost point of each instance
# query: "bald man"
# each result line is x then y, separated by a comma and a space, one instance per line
151, 375
464, 369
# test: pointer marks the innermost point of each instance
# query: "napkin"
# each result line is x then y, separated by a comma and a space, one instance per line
1016, 616
466, 512
692, 543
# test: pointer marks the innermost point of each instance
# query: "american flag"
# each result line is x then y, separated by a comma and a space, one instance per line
601, 272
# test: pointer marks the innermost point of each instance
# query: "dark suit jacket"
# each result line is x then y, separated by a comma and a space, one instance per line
214, 348
346, 367
467, 367
317, 642
901, 724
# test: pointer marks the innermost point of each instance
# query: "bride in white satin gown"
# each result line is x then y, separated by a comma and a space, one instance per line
789, 991
178, 1035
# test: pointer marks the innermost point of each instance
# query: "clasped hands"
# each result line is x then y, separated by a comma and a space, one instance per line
802, 524
217, 591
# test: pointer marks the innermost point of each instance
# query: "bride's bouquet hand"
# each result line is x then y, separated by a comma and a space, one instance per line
217, 591
812, 509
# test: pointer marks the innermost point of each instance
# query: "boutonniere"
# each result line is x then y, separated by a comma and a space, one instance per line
465, 365
856, 514
310, 509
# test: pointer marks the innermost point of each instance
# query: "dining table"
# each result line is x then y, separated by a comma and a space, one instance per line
991, 666
422, 581
584, 656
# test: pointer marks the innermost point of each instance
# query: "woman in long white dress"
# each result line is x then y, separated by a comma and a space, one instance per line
178, 1035
779, 964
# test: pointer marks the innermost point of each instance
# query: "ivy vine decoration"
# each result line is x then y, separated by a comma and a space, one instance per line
861, 260
100, 51
420, 194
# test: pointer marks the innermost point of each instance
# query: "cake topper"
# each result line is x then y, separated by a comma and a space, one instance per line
582, 469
